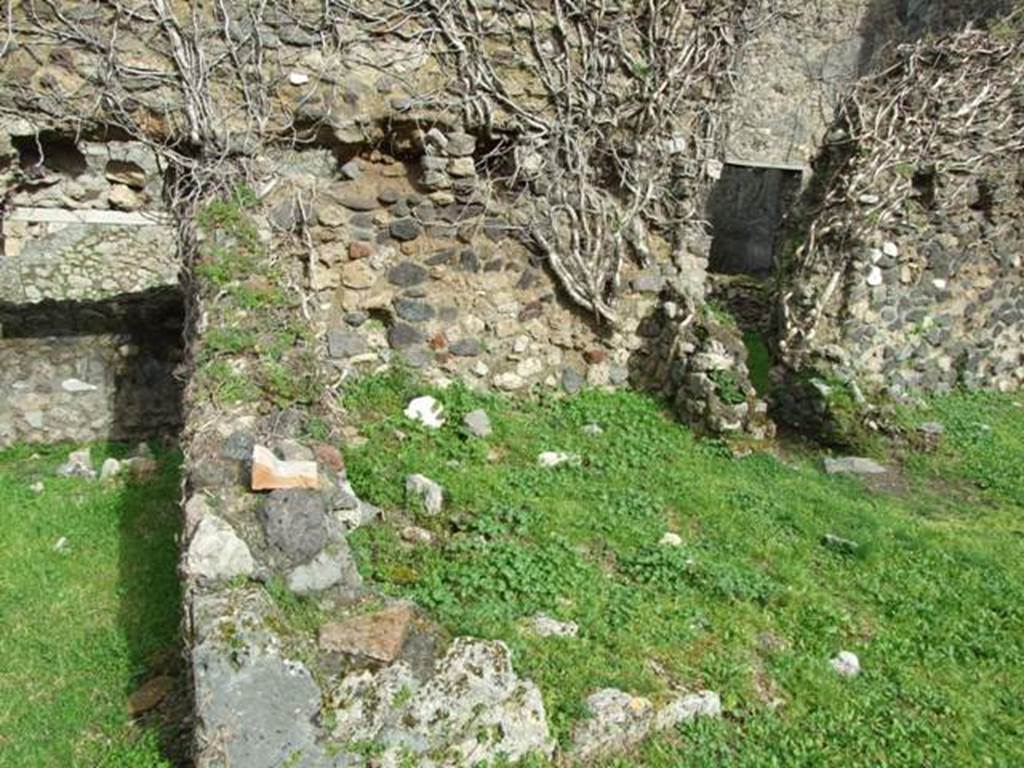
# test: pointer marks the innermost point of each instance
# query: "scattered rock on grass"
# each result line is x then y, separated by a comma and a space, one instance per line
110, 469
853, 465
543, 625
79, 464
36, 487
426, 492
592, 429
619, 720
556, 458
416, 535
295, 524
846, 664
839, 544
478, 423
427, 411
671, 539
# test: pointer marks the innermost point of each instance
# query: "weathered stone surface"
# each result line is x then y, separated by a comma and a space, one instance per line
150, 694
543, 625
556, 459
377, 636
845, 664
270, 472
423, 492
853, 465
358, 275
79, 464
404, 335
407, 274
414, 311
255, 711
343, 343
295, 524
405, 229
617, 721
478, 423
475, 706
466, 348
216, 552
326, 570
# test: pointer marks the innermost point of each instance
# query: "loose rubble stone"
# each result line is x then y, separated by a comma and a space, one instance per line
377, 636
845, 664
543, 625
593, 430
853, 465
77, 385
671, 539
478, 423
110, 469
295, 524
426, 410
358, 275
556, 459
217, 553
426, 492
617, 721
416, 535
79, 464
149, 695
932, 429
270, 472
352, 170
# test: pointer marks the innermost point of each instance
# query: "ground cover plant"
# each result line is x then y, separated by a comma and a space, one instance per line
753, 603
89, 609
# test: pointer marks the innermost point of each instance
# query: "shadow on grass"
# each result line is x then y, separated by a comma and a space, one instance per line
149, 594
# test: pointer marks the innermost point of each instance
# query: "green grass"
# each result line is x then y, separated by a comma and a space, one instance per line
932, 600
82, 628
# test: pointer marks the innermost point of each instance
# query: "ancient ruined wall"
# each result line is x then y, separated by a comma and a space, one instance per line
90, 313
907, 276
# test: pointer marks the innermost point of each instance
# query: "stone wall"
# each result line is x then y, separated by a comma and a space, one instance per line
906, 277
88, 387
91, 315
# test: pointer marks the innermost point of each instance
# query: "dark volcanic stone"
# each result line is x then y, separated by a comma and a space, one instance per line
342, 343
413, 311
295, 524
405, 229
466, 348
469, 261
402, 335
407, 274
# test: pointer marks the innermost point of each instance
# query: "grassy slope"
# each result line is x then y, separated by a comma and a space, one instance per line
81, 629
933, 602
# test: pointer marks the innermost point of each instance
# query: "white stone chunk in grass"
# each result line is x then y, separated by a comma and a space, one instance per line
556, 459
543, 625
846, 664
427, 411
478, 423
111, 468
79, 464
298, 78
671, 539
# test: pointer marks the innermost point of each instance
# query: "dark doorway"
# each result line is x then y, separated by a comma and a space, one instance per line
745, 209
